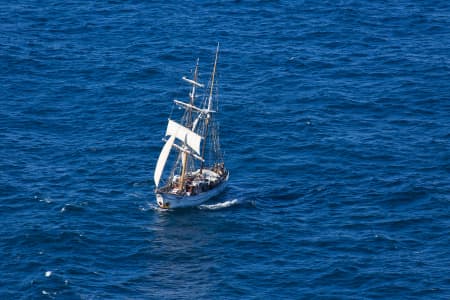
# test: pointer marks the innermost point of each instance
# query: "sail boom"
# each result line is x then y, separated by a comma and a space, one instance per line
187, 105
192, 82
186, 151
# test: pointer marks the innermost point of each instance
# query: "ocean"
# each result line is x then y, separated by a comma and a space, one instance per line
335, 123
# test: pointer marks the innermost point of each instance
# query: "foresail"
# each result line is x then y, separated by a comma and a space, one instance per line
163, 159
185, 135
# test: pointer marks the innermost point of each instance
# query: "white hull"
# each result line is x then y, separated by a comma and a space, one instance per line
167, 200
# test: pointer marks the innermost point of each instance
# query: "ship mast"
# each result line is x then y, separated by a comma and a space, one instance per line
208, 116
184, 158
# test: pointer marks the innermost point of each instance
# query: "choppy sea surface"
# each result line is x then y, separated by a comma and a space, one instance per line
335, 121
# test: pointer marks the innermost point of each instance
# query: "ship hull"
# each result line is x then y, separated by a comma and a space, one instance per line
169, 200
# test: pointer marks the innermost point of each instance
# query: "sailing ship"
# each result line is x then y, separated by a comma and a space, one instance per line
198, 173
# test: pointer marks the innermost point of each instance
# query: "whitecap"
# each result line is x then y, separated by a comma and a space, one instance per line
46, 200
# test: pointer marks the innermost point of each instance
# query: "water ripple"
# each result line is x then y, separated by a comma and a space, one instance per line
334, 121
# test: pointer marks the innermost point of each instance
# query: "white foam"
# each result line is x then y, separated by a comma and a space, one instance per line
220, 205
148, 206
152, 206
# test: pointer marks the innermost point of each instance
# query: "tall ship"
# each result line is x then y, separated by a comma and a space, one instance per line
198, 172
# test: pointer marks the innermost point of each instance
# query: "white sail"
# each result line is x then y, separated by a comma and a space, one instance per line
163, 159
185, 135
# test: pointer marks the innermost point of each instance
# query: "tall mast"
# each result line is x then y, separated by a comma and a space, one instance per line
208, 116
192, 97
184, 158
212, 79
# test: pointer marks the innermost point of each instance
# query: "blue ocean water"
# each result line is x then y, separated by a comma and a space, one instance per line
335, 121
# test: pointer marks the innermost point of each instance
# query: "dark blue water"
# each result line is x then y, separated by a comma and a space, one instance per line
335, 123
